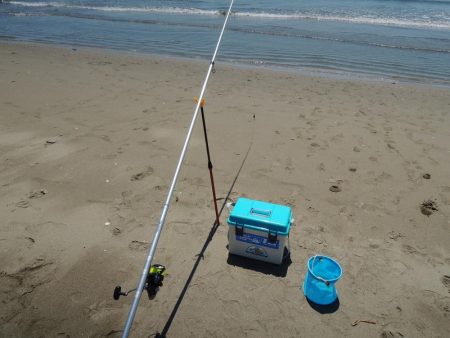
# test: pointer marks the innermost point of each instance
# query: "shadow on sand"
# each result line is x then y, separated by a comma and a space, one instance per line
324, 309
259, 266
200, 256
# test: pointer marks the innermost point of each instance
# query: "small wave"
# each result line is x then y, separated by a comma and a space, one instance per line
167, 10
28, 4
386, 21
349, 19
27, 14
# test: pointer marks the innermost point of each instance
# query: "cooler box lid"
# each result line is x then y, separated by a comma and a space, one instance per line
261, 216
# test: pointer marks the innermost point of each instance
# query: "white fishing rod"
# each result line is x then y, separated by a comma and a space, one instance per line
151, 252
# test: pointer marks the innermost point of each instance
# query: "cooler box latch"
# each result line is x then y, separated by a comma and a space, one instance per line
239, 230
272, 238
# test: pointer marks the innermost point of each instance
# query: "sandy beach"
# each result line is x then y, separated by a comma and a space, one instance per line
89, 140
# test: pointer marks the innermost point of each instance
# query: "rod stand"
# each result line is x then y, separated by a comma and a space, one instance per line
210, 165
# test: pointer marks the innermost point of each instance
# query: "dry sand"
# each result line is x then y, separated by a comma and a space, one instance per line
88, 144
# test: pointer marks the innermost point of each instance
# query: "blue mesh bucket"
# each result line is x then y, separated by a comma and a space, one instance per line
323, 273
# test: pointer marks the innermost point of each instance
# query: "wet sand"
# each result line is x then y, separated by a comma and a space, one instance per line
89, 140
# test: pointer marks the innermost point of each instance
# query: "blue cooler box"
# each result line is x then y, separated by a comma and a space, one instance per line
259, 230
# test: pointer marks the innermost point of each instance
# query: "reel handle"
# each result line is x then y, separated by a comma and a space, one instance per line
154, 280
118, 292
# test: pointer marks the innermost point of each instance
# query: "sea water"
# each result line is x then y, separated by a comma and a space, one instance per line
406, 40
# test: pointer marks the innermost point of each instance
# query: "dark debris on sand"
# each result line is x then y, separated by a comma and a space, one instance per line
428, 207
335, 188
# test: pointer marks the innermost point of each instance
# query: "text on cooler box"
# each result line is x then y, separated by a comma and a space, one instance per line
258, 240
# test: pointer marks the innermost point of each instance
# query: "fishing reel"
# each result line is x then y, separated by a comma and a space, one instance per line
153, 282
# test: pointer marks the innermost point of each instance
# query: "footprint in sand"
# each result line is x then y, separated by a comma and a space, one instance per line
428, 207
28, 278
395, 235
37, 194
321, 167
78, 297
390, 334
116, 231
33, 195
23, 204
409, 249
335, 188
30, 242
143, 174
390, 145
446, 281
288, 165
138, 246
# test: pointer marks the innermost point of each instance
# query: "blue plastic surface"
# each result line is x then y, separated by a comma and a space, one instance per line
323, 273
261, 216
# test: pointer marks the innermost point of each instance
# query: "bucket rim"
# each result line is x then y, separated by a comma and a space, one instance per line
332, 280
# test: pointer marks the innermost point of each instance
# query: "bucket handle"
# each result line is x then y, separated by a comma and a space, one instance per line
327, 282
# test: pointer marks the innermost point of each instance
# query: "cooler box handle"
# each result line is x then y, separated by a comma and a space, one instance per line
261, 212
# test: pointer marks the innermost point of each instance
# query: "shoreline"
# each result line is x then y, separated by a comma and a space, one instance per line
305, 72
89, 141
